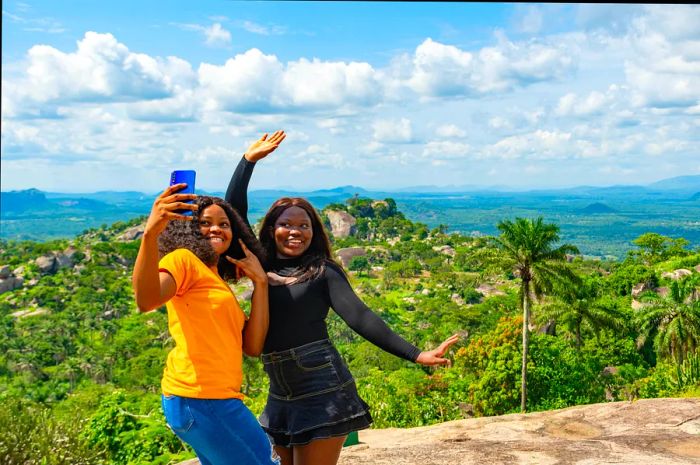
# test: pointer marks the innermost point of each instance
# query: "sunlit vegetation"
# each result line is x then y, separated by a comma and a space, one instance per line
80, 368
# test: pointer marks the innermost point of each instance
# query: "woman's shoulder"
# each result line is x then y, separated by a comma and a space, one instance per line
182, 255
332, 269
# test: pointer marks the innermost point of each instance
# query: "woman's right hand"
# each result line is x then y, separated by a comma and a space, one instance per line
264, 146
250, 266
164, 209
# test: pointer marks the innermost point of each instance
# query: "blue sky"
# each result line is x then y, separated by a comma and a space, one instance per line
115, 95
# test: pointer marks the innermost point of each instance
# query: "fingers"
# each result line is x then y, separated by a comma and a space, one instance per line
243, 247
263, 137
172, 189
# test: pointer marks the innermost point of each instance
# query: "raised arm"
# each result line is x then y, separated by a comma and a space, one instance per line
237, 192
152, 288
370, 326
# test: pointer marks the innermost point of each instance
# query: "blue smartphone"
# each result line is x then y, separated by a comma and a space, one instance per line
186, 176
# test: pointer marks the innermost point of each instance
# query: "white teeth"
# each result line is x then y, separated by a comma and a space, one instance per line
216, 239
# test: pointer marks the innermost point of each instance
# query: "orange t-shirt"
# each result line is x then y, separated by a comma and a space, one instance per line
206, 323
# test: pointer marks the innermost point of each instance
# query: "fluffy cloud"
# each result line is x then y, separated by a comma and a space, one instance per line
393, 131
100, 70
570, 104
446, 149
665, 67
441, 70
450, 130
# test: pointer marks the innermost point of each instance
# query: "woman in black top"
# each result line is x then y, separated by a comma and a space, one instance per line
313, 402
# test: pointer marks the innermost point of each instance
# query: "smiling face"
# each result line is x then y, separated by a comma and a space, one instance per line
293, 232
216, 228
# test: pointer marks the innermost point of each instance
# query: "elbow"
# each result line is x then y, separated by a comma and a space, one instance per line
253, 353
144, 305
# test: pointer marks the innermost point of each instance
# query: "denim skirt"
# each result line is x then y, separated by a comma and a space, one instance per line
312, 396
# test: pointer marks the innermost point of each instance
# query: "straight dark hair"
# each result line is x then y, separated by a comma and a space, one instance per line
181, 234
314, 259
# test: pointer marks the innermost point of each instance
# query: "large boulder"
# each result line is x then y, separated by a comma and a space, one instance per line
342, 223
445, 249
676, 274
346, 254
47, 264
5, 272
132, 233
66, 259
10, 284
640, 288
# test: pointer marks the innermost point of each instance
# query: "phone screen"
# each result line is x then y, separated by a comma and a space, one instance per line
186, 176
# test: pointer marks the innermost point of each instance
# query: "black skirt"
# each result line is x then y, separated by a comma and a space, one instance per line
312, 396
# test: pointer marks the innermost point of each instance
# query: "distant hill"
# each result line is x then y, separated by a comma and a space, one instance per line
597, 208
685, 183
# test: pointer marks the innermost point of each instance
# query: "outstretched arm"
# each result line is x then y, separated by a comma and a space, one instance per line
370, 326
152, 288
237, 192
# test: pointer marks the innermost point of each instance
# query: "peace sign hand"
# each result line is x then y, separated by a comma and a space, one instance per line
164, 207
264, 146
434, 357
250, 266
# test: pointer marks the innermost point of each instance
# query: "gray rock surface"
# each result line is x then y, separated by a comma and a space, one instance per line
10, 284
643, 432
5, 271
132, 233
47, 264
346, 254
342, 223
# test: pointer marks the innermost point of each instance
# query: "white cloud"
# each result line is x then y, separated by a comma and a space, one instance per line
664, 68
216, 35
260, 29
319, 84
446, 149
571, 105
101, 69
450, 130
540, 144
393, 131
444, 70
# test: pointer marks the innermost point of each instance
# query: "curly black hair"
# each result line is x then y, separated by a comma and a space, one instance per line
181, 234
314, 259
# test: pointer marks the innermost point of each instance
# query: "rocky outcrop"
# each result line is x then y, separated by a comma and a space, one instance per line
445, 249
346, 254
131, 234
51, 263
342, 223
488, 290
676, 274
638, 289
10, 283
644, 432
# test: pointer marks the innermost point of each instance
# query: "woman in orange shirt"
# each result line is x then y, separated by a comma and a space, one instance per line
183, 264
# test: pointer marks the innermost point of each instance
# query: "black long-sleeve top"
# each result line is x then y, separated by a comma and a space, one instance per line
298, 311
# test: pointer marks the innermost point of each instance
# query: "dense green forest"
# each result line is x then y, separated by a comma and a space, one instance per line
80, 368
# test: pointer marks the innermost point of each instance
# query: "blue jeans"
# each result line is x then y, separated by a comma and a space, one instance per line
221, 431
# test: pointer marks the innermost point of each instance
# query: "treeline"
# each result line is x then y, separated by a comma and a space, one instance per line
80, 368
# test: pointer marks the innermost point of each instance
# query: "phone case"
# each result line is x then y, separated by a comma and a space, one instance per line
186, 176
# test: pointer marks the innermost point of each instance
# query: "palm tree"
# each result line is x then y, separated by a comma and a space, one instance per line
528, 249
579, 307
673, 322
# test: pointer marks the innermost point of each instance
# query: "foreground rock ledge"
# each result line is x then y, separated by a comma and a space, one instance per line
643, 432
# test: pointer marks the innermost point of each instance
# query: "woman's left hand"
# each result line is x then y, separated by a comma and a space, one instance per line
264, 146
250, 266
434, 357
